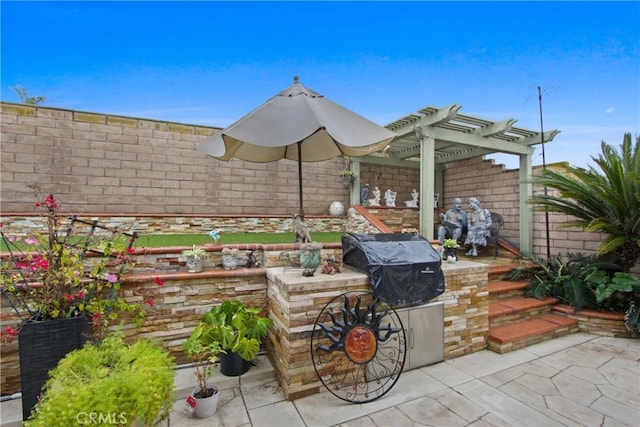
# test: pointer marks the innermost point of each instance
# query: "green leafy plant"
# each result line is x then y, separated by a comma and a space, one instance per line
604, 201
237, 328
195, 252
115, 382
203, 348
581, 281
349, 174
450, 244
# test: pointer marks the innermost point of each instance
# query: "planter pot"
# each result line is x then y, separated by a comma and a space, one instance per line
347, 181
451, 253
194, 264
205, 407
232, 365
41, 346
229, 262
310, 257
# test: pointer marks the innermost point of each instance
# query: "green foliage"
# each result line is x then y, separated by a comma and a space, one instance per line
123, 384
195, 252
238, 328
585, 282
450, 244
563, 279
202, 348
25, 98
604, 201
632, 318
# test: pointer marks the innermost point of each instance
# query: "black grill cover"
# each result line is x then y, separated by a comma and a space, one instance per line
403, 268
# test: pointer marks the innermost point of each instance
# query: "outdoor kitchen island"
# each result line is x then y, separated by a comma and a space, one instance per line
295, 302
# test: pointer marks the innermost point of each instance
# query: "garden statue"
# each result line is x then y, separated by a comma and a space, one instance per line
376, 197
452, 222
390, 198
479, 222
413, 203
300, 229
364, 195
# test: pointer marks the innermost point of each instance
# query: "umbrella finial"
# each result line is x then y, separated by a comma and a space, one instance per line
296, 79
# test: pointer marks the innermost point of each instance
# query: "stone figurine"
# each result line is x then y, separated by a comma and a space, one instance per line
390, 198
479, 222
300, 229
452, 222
376, 197
364, 195
413, 203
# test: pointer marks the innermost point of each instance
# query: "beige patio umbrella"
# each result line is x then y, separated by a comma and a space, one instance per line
298, 124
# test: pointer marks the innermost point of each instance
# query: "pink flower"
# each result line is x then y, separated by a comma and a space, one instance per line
150, 301
112, 278
31, 240
79, 295
50, 202
159, 281
69, 297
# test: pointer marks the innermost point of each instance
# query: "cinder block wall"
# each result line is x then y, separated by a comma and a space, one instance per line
101, 163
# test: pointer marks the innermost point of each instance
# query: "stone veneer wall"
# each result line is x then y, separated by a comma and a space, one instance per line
295, 302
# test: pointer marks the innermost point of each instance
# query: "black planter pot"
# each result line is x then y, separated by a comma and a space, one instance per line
451, 252
41, 345
232, 365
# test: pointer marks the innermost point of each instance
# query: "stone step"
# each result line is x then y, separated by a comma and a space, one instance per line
502, 289
513, 336
515, 309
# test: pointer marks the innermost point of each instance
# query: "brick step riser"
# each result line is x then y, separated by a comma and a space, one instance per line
535, 339
518, 316
497, 296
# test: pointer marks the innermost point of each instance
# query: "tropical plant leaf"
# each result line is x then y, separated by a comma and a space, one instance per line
604, 200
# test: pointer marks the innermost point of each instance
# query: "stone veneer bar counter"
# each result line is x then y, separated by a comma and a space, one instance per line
295, 302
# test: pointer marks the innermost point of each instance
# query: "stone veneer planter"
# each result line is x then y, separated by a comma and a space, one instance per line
595, 322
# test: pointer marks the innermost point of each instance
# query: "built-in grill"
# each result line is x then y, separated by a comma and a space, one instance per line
403, 268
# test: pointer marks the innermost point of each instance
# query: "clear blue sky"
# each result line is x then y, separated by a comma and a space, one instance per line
211, 62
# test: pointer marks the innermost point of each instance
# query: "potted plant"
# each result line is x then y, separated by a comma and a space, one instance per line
123, 384
63, 284
194, 258
310, 257
240, 331
229, 258
348, 177
450, 248
202, 348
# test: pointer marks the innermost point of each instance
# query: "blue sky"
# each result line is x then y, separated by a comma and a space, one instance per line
210, 63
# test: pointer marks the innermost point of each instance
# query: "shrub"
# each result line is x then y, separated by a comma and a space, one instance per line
112, 382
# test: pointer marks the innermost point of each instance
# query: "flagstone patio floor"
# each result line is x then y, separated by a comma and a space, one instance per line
576, 380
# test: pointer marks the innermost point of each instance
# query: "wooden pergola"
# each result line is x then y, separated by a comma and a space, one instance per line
432, 137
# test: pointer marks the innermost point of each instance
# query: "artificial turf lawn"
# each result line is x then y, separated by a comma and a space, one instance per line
168, 240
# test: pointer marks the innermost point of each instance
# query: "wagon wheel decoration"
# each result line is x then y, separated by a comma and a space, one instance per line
358, 347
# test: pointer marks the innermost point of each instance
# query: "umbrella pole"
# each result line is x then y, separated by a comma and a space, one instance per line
300, 178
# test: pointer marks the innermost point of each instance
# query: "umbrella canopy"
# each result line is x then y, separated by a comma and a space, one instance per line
298, 124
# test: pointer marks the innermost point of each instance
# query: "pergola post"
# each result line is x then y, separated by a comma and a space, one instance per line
354, 193
427, 183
